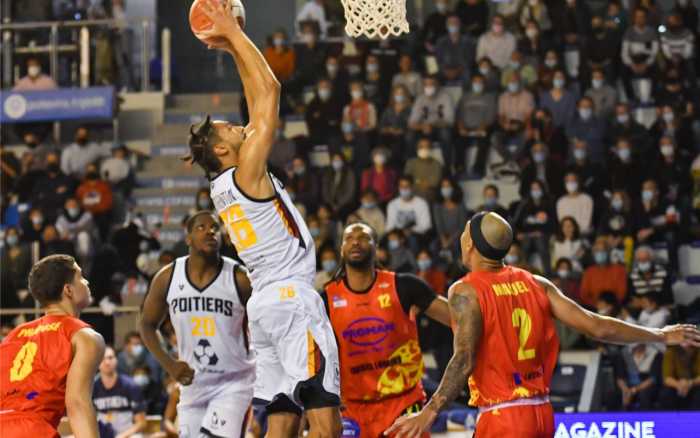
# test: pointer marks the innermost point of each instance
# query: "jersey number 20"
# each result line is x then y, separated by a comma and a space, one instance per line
239, 228
522, 320
22, 363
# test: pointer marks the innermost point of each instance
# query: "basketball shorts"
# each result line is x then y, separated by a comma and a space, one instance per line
370, 420
523, 421
224, 414
296, 351
13, 425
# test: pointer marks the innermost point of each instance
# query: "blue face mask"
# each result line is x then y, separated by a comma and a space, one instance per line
538, 157
315, 232
600, 257
368, 205
424, 264
329, 265
491, 201
405, 193
393, 244
446, 192
141, 380
136, 350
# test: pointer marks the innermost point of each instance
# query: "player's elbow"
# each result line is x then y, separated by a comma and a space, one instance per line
78, 405
602, 330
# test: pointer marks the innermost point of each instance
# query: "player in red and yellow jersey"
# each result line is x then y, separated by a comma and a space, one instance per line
505, 340
48, 365
372, 312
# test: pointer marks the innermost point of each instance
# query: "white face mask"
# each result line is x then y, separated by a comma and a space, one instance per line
308, 38
484, 70
477, 87
597, 83
531, 32
332, 69
34, 71
379, 159
622, 119
624, 154
667, 150
279, 42
356, 94
372, 68
558, 83
571, 186
551, 63
399, 98
579, 154
585, 113
423, 153
429, 91
513, 87
324, 93
668, 117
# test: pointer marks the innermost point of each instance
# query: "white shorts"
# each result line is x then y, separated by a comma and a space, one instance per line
224, 415
294, 342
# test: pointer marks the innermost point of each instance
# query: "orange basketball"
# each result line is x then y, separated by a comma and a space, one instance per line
200, 22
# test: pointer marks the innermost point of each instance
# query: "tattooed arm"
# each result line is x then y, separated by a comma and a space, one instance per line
467, 327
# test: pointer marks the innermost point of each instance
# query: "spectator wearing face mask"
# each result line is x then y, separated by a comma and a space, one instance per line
533, 44
476, 117
576, 204
474, 15
548, 65
360, 112
517, 65
338, 185
681, 378
408, 76
450, 219
401, 259
588, 127
491, 196
52, 188
280, 57
134, 355
624, 169
39, 151
678, 46
601, 50
604, 96
328, 266
497, 44
370, 212
425, 170
33, 225
491, 74
393, 125
304, 183
559, 101
377, 85
670, 124
616, 221
76, 225
338, 78
436, 279
433, 115
408, 212
380, 177
516, 257
592, 176
80, 153
603, 276
35, 80
640, 47
624, 125
310, 57
455, 52
323, 114
541, 129
567, 278
118, 400
515, 105
648, 276
117, 170
670, 170
435, 25
202, 201
534, 218
541, 167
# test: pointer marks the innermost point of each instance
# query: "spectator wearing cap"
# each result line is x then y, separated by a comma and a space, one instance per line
371, 213
450, 218
604, 96
648, 276
35, 80
393, 124
678, 46
455, 52
681, 378
576, 204
408, 212
559, 101
323, 114
588, 127
474, 14
338, 186
497, 44
640, 46
476, 117
603, 275
80, 153
535, 219
541, 167
408, 77
491, 196
380, 177
435, 25
433, 115
425, 170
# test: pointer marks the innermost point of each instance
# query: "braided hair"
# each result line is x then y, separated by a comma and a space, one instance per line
339, 273
201, 140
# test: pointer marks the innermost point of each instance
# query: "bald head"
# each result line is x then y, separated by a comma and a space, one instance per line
497, 231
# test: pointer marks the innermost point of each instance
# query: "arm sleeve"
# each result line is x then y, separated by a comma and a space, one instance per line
413, 291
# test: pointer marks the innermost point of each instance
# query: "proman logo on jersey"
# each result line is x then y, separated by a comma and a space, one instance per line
368, 331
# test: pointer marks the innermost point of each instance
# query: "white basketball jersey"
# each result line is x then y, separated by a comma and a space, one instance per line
270, 235
210, 325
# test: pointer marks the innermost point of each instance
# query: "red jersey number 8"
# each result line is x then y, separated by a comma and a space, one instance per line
22, 363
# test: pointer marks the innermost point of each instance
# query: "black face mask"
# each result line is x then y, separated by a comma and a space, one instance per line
53, 168
82, 141
91, 175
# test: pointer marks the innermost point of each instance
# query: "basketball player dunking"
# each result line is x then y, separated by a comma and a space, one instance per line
47, 366
505, 340
205, 296
296, 352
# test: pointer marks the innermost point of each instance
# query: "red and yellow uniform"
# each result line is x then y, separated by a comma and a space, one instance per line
516, 355
34, 362
381, 363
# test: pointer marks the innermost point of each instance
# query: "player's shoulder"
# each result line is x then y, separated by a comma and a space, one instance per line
89, 340
164, 276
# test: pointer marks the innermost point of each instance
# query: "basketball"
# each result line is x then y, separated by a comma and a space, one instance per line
200, 22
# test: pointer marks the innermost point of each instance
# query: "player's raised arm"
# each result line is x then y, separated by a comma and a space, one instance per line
467, 326
153, 313
261, 88
613, 330
89, 348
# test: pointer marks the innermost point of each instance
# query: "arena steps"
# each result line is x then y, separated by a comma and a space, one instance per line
169, 166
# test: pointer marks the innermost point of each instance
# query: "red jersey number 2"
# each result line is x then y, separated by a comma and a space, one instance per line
523, 322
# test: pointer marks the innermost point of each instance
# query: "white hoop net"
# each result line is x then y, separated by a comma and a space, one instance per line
374, 18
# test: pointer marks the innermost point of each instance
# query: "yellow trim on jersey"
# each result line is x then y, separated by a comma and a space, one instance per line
311, 353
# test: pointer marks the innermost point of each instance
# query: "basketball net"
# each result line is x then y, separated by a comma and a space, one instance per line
375, 18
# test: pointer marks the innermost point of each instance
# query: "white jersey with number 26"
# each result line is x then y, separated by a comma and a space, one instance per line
269, 234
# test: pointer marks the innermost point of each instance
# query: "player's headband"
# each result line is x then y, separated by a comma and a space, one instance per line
480, 242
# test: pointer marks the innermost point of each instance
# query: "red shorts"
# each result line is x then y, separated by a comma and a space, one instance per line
534, 421
15, 426
371, 419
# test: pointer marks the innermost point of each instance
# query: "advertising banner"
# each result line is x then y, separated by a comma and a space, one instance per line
56, 105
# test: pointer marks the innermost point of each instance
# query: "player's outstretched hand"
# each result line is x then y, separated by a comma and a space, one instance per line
224, 23
412, 425
681, 334
181, 372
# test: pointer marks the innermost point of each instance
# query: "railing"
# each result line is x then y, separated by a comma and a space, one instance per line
80, 47
37, 311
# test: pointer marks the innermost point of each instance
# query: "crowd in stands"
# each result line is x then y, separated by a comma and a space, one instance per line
592, 113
